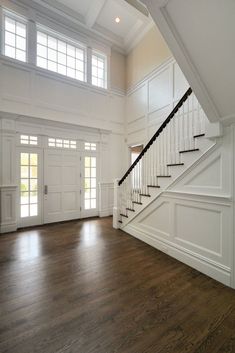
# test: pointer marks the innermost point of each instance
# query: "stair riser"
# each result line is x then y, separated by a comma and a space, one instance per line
176, 171
203, 143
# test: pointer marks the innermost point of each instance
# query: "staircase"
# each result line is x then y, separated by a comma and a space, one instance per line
178, 143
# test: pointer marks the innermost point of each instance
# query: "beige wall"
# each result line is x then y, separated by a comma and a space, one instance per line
118, 70
149, 53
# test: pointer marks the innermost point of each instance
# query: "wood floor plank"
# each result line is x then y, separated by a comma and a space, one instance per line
84, 287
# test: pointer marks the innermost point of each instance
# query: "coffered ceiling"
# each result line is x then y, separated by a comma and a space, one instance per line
98, 16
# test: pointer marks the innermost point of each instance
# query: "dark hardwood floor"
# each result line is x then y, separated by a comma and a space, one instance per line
83, 287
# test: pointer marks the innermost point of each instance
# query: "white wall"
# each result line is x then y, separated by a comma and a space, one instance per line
200, 35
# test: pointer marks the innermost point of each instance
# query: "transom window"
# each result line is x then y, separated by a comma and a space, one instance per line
99, 70
90, 146
90, 183
54, 51
28, 185
28, 140
60, 56
61, 143
15, 37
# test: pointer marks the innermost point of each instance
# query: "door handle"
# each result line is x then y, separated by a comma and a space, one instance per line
45, 189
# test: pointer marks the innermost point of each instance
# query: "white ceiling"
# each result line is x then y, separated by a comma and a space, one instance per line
99, 16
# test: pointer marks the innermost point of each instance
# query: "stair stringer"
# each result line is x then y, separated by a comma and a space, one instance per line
158, 192
195, 228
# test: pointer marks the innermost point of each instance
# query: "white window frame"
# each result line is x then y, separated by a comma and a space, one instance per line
18, 18
104, 57
57, 142
88, 46
28, 140
68, 42
90, 146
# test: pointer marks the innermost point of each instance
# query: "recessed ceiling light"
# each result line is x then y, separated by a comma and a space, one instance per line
117, 19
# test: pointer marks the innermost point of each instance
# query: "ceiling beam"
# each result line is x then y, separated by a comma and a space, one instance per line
94, 11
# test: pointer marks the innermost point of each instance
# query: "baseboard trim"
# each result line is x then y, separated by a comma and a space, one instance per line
214, 270
8, 228
106, 213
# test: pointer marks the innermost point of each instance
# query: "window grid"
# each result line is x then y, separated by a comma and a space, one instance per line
99, 70
28, 185
15, 35
60, 56
62, 143
28, 140
90, 146
90, 183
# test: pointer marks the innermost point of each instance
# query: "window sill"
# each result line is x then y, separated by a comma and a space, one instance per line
5, 60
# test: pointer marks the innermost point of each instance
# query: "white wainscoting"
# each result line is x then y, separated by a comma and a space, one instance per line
150, 101
196, 231
193, 219
106, 193
8, 219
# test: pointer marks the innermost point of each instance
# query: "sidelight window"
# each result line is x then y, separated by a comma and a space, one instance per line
90, 183
28, 185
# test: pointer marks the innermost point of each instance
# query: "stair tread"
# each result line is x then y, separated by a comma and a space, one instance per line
163, 176
147, 195
199, 135
120, 222
138, 203
174, 164
153, 186
123, 215
130, 209
193, 150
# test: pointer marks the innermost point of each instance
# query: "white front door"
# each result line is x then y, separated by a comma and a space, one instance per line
61, 185
30, 187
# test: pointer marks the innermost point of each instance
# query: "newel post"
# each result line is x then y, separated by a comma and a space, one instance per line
115, 204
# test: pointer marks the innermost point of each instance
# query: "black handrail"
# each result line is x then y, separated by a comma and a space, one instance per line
161, 128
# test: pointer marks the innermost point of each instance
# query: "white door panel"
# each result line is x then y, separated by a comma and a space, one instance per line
62, 178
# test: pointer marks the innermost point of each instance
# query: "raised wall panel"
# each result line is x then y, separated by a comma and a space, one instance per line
209, 176
158, 220
106, 193
199, 227
16, 82
159, 91
180, 83
136, 125
8, 222
8, 159
136, 103
194, 229
158, 116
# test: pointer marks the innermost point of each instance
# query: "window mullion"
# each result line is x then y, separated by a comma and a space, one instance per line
89, 65
32, 42
1, 31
